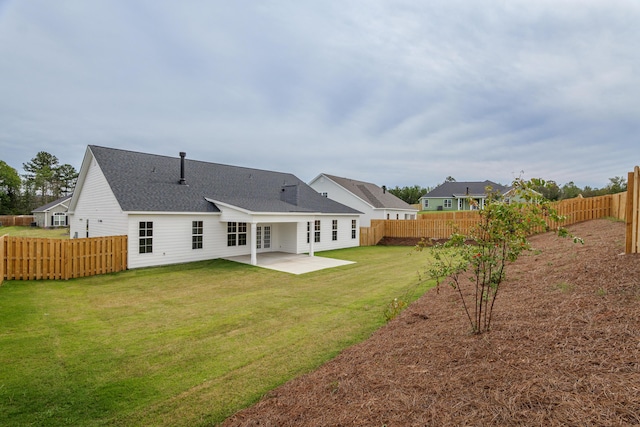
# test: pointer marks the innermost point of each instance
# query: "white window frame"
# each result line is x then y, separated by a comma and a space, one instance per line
236, 233
145, 237
59, 219
197, 234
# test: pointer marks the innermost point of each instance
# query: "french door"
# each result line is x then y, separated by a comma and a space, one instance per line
263, 237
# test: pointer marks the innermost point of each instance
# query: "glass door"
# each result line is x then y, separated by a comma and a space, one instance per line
263, 237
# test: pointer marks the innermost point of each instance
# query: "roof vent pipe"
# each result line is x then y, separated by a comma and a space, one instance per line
182, 156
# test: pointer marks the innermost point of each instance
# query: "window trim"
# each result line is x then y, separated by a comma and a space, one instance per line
316, 231
145, 237
236, 234
62, 216
197, 235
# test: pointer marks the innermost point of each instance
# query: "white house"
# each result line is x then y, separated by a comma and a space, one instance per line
177, 210
373, 201
53, 214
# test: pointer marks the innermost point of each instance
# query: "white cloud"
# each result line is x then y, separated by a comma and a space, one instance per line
399, 93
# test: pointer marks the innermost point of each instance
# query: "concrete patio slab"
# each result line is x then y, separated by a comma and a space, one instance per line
291, 263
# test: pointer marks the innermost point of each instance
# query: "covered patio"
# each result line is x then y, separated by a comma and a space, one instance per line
290, 263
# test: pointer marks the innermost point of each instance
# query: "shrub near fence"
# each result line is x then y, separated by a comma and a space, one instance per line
35, 258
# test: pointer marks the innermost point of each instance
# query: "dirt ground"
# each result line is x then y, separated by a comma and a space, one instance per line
564, 350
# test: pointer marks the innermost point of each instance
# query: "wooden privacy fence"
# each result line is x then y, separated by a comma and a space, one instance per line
370, 236
441, 225
13, 220
33, 258
632, 240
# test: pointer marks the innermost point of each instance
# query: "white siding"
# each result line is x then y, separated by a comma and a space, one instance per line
172, 239
340, 195
326, 244
287, 237
97, 205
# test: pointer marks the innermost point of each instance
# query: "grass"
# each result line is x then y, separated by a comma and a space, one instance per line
183, 345
49, 233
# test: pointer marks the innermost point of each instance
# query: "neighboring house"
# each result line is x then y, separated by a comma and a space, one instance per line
373, 201
460, 196
53, 214
176, 210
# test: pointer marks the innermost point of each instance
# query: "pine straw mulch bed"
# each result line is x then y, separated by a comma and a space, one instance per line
564, 350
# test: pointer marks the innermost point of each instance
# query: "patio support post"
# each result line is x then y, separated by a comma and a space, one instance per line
254, 251
312, 236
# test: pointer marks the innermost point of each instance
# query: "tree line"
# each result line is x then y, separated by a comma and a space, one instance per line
44, 181
551, 191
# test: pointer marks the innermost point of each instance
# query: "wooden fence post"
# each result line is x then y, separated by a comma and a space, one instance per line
633, 214
3, 260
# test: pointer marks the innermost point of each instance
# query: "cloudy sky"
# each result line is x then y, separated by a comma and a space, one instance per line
390, 92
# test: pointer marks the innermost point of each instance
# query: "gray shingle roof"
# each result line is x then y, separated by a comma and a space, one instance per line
50, 205
371, 193
461, 189
150, 183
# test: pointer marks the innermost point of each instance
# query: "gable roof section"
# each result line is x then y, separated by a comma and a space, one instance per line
464, 189
371, 193
150, 183
53, 204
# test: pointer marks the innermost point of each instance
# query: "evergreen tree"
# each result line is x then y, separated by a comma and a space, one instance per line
40, 175
65, 177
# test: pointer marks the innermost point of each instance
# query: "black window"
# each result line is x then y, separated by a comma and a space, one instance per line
196, 234
316, 234
145, 234
334, 229
236, 234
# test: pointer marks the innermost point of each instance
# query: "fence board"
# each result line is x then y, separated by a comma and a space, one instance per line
2, 252
632, 232
34, 259
16, 220
370, 236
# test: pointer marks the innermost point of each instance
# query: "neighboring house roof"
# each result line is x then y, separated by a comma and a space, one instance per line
465, 189
53, 204
376, 196
150, 183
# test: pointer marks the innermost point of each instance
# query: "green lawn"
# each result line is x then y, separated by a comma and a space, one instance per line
183, 345
49, 233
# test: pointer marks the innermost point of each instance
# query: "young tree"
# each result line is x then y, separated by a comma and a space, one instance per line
9, 189
498, 239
